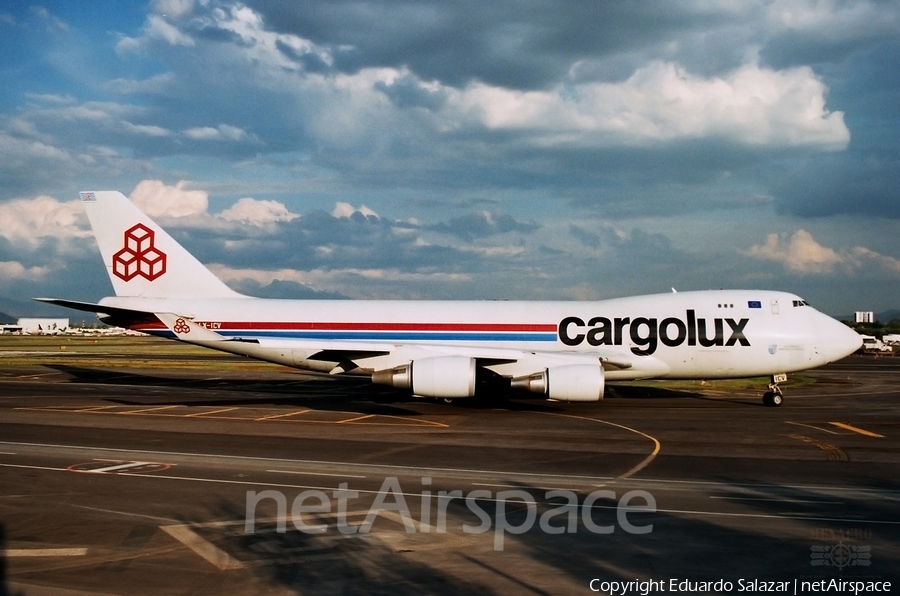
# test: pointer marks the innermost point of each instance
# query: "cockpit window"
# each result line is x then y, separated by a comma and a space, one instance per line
800, 303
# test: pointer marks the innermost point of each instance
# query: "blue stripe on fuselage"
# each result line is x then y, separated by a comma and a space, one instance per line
392, 335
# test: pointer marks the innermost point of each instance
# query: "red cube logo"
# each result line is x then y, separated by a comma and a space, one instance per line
139, 256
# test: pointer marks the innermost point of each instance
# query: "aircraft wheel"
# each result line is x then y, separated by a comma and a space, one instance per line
772, 399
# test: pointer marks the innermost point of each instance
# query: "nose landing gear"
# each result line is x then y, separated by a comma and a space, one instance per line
774, 396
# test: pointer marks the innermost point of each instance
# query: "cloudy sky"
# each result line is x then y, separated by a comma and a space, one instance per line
438, 149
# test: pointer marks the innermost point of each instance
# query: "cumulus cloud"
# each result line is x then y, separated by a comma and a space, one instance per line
15, 270
861, 255
258, 213
28, 221
157, 199
342, 209
801, 253
662, 101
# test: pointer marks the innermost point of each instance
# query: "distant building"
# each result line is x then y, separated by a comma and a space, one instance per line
43, 326
865, 317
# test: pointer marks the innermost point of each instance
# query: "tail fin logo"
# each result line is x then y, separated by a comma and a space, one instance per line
181, 327
139, 256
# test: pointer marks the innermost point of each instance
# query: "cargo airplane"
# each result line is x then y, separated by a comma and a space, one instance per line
563, 351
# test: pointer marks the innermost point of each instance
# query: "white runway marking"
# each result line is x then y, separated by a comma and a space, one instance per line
314, 473
203, 547
777, 500
131, 464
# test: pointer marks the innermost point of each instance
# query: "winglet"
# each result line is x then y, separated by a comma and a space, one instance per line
186, 329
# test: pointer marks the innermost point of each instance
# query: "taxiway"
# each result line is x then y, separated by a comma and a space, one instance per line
119, 480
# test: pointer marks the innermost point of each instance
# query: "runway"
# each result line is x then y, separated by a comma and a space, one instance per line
121, 479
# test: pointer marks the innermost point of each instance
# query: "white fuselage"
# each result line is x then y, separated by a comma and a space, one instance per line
686, 335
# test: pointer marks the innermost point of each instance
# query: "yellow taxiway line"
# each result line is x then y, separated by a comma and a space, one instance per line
861, 431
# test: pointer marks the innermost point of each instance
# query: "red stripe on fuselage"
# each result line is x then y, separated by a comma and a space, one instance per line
326, 326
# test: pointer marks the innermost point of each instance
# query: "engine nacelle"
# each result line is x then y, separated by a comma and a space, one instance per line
569, 382
440, 376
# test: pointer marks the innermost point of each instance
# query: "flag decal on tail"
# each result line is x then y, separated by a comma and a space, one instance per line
139, 256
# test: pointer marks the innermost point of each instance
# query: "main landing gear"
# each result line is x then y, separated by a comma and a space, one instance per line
774, 396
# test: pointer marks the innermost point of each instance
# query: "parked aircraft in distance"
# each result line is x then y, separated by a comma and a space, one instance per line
445, 349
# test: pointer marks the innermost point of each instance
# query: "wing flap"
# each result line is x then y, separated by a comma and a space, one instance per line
323, 345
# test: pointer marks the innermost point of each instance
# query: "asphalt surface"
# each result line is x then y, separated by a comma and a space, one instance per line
151, 481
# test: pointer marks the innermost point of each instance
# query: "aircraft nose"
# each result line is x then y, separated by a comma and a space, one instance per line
835, 340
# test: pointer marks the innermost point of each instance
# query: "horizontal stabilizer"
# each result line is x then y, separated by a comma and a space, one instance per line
111, 315
89, 306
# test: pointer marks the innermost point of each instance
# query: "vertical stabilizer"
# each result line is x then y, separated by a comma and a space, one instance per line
141, 258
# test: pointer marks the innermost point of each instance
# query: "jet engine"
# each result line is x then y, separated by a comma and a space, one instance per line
440, 376
569, 382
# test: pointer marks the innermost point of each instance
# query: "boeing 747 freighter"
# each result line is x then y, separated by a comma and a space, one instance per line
443, 349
